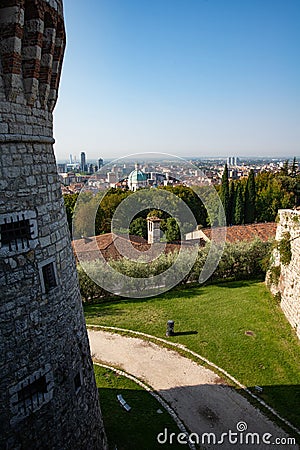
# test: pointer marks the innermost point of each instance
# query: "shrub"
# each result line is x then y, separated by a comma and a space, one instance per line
284, 247
242, 260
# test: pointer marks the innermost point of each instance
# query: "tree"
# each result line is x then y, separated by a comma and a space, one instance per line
231, 203
285, 168
192, 200
172, 231
138, 227
224, 193
250, 198
239, 206
294, 168
70, 202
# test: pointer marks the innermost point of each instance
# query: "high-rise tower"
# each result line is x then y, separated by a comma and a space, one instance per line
83, 166
48, 396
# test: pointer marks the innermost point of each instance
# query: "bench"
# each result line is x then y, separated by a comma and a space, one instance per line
123, 403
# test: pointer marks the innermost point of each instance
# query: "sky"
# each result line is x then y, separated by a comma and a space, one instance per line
192, 78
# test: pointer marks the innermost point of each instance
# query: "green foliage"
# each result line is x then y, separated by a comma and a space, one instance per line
273, 192
138, 227
284, 247
192, 200
238, 217
232, 195
172, 231
70, 201
240, 261
108, 204
274, 274
250, 198
88, 288
224, 193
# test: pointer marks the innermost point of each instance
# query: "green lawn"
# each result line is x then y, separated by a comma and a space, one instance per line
138, 428
221, 314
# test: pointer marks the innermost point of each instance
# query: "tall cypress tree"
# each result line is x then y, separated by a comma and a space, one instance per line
250, 195
224, 193
294, 167
231, 203
239, 206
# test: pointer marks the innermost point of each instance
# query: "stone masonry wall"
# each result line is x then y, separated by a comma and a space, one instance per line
48, 396
286, 281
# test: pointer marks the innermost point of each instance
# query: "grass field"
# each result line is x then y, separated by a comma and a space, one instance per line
138, 428
236, 325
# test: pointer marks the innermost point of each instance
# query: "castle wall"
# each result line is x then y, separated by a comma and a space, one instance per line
286, 284
47, 388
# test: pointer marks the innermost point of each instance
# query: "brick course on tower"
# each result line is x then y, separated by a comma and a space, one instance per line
48, 396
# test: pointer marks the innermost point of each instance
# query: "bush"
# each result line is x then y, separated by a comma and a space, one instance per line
240, 261
284, 247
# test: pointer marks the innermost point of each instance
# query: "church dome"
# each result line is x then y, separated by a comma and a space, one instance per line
137, 179
136, 176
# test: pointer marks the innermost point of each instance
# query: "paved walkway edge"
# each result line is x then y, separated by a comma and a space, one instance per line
164, 404
202, 358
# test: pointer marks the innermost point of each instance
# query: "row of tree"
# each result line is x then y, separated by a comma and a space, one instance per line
252, 199
258, 198
90, 214
240, 261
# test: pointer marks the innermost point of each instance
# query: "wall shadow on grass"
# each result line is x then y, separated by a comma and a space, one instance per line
211, 408
218, 408
137, 429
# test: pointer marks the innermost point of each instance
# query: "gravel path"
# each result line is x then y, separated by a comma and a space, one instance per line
201, 399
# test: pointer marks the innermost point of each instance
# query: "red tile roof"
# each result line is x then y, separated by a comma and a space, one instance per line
113, 246
235, 233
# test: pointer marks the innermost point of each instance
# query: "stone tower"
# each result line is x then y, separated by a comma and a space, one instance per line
48, 396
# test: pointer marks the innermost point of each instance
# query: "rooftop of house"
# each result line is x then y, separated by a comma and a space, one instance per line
235, 233
112, 246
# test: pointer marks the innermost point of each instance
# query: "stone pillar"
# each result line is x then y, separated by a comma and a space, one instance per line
153, 230
48, 396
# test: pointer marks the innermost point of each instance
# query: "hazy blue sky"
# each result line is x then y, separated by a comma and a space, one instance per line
188, 77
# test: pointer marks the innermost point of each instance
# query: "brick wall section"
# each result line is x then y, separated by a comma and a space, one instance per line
48, 396
32, 47
288, 285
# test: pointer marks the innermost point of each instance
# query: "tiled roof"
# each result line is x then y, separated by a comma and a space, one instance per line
235, 233
113, 246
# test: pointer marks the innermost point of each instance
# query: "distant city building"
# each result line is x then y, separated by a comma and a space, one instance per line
71, 159
232, 161
111, 178
91, 168
83, 166
100, 163
61, 168
74, 167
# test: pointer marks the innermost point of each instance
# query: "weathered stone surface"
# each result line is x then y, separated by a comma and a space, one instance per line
48, 393
286, 283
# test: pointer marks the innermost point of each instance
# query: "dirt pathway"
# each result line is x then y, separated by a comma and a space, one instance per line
200, 398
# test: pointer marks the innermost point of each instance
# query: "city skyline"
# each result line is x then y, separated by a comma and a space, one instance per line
193, 79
